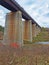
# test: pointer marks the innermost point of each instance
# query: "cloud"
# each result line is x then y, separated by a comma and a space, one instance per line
38, 10
3, 12
46, 15
2, 18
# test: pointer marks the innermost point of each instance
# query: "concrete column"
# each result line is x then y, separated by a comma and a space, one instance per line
34, 30
38, 30
28, 30
13, 28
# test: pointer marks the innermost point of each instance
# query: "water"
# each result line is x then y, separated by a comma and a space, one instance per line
42, 42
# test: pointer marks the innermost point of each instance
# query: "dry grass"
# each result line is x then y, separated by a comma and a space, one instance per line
27, 55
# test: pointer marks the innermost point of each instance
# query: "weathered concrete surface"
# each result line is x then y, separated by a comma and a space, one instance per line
16, 30
34, 30
28, 30
13, 28
38, 30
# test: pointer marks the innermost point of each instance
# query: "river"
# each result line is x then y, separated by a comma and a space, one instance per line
42, 42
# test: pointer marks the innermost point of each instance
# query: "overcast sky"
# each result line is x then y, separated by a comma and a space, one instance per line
38, 10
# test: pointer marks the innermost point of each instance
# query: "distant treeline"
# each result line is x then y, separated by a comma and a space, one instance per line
43, 29
1, 28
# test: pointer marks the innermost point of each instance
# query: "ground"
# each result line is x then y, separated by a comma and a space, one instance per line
30, 54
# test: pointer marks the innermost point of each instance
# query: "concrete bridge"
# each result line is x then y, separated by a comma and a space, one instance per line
17, 30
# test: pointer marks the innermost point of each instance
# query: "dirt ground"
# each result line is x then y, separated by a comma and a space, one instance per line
32, 54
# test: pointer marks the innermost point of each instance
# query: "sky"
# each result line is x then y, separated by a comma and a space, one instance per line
37, 9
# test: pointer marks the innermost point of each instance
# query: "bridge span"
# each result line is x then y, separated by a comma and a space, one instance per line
17, 30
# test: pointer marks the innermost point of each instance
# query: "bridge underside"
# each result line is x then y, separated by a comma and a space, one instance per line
13, 6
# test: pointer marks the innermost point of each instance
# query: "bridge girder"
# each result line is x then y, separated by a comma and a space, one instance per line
12, 5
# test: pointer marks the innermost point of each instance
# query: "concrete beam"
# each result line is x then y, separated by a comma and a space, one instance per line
28, 30
13, 28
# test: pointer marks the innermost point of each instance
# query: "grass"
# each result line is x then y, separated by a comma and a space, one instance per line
33, 55
42, 37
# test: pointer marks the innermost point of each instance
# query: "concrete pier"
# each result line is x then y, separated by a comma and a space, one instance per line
28, 30
37, 30
13, 28
34, 30
17, 30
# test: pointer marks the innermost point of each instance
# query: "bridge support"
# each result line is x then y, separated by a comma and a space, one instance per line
28, 30
34, 31
38, 30
13, 29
